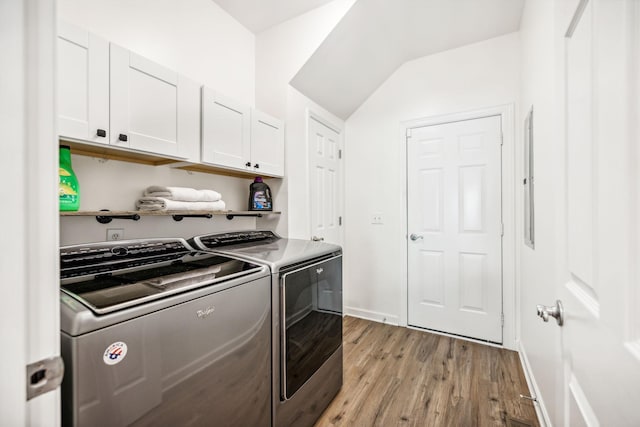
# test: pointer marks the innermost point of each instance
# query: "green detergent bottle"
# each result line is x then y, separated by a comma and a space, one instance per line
68, 188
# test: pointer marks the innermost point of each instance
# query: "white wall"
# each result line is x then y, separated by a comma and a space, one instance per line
280, 53
198, 39
539, 343
481, 75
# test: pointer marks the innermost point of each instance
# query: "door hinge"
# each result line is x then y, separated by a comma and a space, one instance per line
409, 133
44, 375
339, 154
502, 229
502, 319
339, 220
501, 138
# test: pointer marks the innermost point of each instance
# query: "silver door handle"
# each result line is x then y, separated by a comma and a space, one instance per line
317, 239
556, 311
415, 237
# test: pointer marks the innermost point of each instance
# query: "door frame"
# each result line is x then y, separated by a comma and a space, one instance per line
509, 248
312, 114
30, 315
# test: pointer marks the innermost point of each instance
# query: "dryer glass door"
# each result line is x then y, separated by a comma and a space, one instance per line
311, 306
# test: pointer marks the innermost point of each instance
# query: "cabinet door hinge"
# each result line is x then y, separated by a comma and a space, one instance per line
339, 220
501, 138
339, 154
502, 229
502, 319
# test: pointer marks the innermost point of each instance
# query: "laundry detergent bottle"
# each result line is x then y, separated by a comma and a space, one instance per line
259, 196
68, 188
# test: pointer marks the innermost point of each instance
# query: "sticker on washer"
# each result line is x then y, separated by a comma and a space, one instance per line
115, 353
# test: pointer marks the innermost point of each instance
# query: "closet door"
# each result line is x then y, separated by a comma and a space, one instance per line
148, 106
83, 85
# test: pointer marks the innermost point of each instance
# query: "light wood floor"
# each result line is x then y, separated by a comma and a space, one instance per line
396, 376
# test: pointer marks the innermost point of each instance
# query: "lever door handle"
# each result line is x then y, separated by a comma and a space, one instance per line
317, 239
556, 311
415, 237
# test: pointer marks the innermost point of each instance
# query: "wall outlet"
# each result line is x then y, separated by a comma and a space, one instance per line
377, 218
115, 233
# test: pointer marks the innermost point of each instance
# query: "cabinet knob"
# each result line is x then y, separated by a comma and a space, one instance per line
257, 166
248, 164
101, 133
122, 137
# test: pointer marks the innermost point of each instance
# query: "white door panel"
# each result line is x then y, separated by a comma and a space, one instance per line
267, 144
226, 127
454, 219
29, 272
144, 105
597, 185
324, 175
83, 84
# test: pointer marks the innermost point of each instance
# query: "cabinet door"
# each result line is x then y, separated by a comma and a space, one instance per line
267, 144
147, 105
83, 84
225, 131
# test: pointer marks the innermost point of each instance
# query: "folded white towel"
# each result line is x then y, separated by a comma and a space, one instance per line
162, 204
183, 194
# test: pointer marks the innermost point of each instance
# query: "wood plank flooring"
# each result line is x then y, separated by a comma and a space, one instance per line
396, 376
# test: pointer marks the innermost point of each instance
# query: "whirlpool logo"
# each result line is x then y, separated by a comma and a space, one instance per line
202, 314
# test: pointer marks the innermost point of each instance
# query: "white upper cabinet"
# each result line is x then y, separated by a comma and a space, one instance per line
267, 144
226, 128
152, 108
83, 85
238, 137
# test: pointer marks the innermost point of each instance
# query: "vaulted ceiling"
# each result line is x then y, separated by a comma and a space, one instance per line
259, 15
376, 37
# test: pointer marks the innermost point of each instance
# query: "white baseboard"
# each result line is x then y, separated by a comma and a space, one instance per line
372, 315
541, 410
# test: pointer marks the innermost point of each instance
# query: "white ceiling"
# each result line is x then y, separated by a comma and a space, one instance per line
377, 36
258, 15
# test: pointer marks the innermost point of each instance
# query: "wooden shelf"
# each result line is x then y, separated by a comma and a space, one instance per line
105, 151
115, 153
218, 170
105, 217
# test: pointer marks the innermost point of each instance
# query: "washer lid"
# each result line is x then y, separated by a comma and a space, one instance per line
272, 250
136, 272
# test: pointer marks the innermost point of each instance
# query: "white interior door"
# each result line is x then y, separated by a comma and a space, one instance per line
598, 215
324, 180
29, 312
454, 228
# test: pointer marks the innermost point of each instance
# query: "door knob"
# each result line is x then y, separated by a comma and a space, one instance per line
317, 239
556, 311
415, 237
